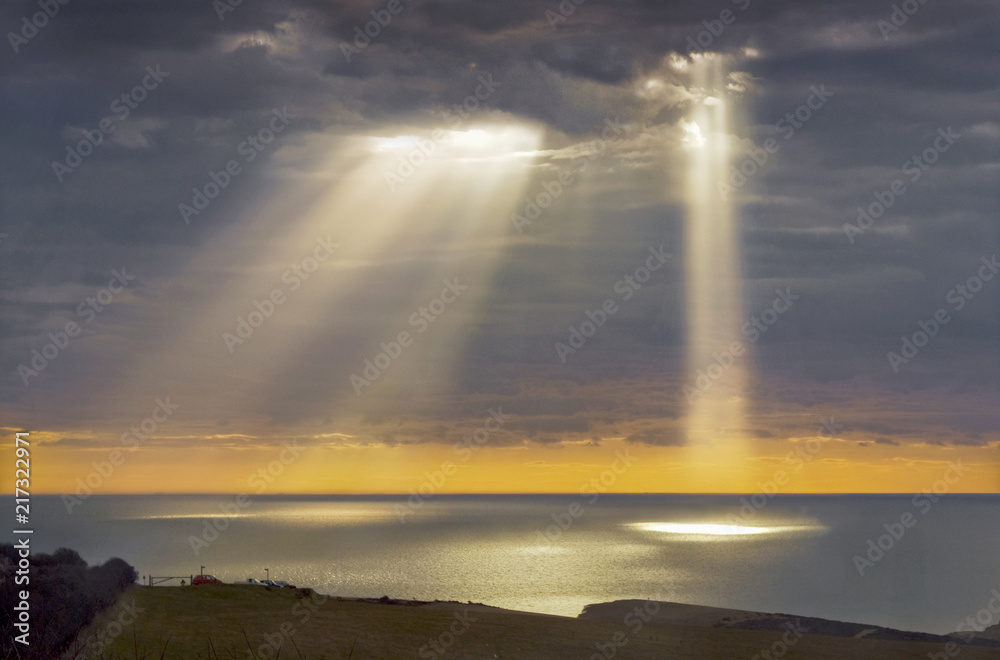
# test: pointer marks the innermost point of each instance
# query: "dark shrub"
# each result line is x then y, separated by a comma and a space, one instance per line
66, 595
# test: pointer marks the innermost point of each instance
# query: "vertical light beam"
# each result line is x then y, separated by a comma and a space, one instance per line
716, 378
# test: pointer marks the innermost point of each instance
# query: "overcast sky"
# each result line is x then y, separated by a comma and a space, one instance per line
313, 121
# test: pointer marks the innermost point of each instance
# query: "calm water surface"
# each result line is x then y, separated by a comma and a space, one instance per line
794, 555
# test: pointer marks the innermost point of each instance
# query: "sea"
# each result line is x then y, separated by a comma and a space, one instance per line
921, 563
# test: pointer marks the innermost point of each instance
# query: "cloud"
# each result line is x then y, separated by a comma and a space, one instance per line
659, 437
616, 60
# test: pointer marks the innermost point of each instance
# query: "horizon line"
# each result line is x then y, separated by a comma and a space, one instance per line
508, 494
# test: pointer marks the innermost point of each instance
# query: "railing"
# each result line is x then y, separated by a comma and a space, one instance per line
160, 579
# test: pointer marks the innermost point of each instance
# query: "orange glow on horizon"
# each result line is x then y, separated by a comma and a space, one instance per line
567, 469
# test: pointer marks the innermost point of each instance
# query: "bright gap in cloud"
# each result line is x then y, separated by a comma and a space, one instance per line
484, 141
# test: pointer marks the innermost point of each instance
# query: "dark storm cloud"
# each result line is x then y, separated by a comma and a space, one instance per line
890, 96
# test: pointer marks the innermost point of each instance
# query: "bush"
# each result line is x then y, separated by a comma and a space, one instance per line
66, 595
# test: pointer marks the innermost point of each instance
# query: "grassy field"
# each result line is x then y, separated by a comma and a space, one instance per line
230, 621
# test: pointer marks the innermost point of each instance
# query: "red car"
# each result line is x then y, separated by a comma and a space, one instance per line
205, 579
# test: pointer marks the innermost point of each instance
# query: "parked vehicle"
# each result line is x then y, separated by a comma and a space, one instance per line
268, 583
205, 579
282, 583
251, 581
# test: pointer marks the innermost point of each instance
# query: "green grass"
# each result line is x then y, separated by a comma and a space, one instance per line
222, 622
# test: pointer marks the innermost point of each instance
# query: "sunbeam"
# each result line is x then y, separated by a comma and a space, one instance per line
717, 378
441, 218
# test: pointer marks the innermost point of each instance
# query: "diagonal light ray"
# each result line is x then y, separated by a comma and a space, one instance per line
442, 210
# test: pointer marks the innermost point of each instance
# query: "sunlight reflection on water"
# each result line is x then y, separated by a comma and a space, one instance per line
528, 553
721, 531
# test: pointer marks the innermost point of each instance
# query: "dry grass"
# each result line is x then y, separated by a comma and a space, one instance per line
221, 622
